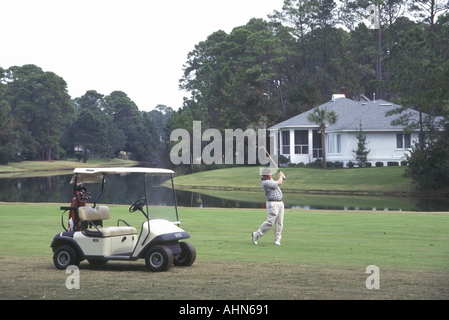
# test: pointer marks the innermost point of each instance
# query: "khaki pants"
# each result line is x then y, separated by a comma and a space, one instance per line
275, 216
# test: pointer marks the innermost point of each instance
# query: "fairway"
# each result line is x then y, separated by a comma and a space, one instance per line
324, 255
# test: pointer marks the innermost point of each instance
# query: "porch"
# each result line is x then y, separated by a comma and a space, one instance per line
301, 145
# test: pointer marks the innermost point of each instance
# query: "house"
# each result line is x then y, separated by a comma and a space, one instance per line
300, 139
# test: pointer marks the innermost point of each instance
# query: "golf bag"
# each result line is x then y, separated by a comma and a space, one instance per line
79, 200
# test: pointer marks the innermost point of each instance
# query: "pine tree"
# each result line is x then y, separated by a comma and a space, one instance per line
361, 153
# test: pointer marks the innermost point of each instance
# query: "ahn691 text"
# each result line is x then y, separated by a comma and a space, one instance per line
242, 309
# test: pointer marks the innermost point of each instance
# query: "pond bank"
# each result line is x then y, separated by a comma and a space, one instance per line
366, 181
47, 168
317, 192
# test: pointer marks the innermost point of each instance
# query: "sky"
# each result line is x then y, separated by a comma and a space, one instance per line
135, 46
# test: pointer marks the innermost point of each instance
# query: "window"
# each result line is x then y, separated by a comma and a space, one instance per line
301, 141
407, 142
403, 141
317, 149
399, 142
334, 143
286, 142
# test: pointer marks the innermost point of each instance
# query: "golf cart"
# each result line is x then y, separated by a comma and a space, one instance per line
87, 239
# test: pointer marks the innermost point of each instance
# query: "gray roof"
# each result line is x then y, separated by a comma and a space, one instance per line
349, 115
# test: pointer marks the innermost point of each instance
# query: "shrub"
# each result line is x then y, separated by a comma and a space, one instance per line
404, 163
283, 160
430, 167
379, 164
296, 165
392, 163
368, 165
338, 164
350, 164
122, 155
318, 163
78, 155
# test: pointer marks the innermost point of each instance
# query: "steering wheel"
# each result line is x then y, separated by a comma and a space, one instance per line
138, 205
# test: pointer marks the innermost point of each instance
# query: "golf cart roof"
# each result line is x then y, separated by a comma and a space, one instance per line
124, 170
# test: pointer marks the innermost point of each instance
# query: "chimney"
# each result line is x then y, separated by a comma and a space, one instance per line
337, 96
344, 91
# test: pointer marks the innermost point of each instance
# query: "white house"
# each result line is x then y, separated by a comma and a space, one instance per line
300, 139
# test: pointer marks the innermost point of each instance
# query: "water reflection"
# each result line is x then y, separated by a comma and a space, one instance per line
125, 190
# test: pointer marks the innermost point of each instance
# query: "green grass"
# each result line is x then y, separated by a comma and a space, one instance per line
323, 255
384, 180
407, 241
388, 240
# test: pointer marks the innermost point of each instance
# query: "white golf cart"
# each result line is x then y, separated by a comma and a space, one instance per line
87, 238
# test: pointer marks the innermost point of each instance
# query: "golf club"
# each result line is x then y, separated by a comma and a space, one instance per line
271, 159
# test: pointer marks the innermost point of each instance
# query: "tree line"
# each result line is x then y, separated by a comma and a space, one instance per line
255, 76
40, 121
266, 71
270, 70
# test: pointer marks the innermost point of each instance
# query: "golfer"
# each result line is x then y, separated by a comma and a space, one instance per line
275, 207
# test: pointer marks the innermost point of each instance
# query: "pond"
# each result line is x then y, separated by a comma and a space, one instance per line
125, 190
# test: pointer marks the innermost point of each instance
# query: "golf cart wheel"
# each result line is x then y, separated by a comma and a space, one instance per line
187, 256
65, 256
159, 258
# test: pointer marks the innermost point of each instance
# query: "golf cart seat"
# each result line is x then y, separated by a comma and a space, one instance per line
96, 216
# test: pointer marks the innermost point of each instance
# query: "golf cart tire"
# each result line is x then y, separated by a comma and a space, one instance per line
159, 258
65, 256
187, 256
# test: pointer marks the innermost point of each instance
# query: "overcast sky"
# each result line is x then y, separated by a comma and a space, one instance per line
136, 46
